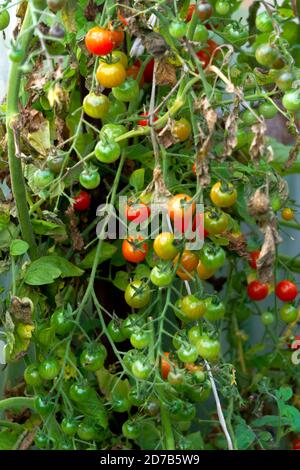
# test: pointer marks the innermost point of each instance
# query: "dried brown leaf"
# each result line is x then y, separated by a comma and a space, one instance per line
92, 10
76, 237
166, 138
155, 45
258, 204
211, 119
21, 310
258, 145
237, 244
293, 154
231, 128
165, 73
266, 260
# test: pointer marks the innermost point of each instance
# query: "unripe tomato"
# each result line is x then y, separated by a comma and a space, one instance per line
257, 290
161, 276
127, 91
111, 132
181, 129
192, 307
119, 56
266, 55
201, 33
99, 41
55, 163
69, 426
107, 152
291, 100
263, 22
248, 118
16, 55
208, 348
4, 19
134, 250
49, 369
131, 429
141, 368
111, 75
215, 221
80, 392
137, 294
32, 376
96, 106
222, 7
267, 318
140, 338
164, 246
89, 178
212, 256
267, 110
287, 213
236, 34
288, 313
187, 353
286, 290
177, 29
115, 332
223, 194
82, 201
61, 324
214, 309
87, 431
92, 357
285, 80
42, 178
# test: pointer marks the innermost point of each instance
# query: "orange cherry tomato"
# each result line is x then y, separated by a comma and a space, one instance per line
134, 250
204, 272
181, 212
187, 264
165, 365
99, 41
111, 75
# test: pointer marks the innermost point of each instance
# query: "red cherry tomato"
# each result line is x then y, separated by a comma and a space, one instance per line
134, 250
117, 36
148, 72
82, 201
145, 122
257, 290
296, 444
165, 365
286, 290
204, 58
254, 255
99, 41
137, 212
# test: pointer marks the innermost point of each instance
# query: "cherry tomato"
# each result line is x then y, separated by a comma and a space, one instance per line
87, 431
212, 256
130, 324
257, 290
43, 405
177, 29
190, 12
203, 272
82, 202
161, 276
187, 353
254, 255
267, 110
16, 55
200, 33
89, 178
119, 56
42, 178
69, 426
208, 348
164, 246
32, 376
114, 329
117, 36
96, 106
111, 75
215, 221
99, 41
286, 290
111, 132
287, 213
140, 338
146, 122
92, 357
107, 152
80, 392
120, 404
49, 369
141, 368
222, 7
60, 322
214, 309
266, 55
203, 10
131, 429
223, 194
165, 365
127, 91
181, 210
134, 250
248, 118
181, 129
192, 307
263, 22
148, 72
136, 396
236, 34
137, 212
41, 440
194, 334
288, 313
4, 19
55, 163
285, 80
291, 100
296, 444
267, 318
188, 262
137, 294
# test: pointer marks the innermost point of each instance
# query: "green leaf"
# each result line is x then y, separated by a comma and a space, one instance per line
8, 235
244, 436
195, 441
269, 420
43, 227
137, 179
8, 439
284, 393
149, 437
121, 280
48, 268
106, 252
18, 247
141, 272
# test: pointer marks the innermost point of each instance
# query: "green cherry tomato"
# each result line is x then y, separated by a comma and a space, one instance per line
222, 7
130, 324
129, 358
137, 294
208, 348
178, 339
69, 426
263, 22
120, 404
32, 376
16, 55
161, 276
87, 430
248, 118
131, 429
267, 318
110, 132
288, 313
4, 19
194, 335
291, 100
96, 106
116, 110
43, 406
140, 338
49, 369
141, 368
92, 358
177, 29
285, 80
41, 440
42, 178
212, 256
80, 393
55, 163
267, 110
236, 34
266, 55
127, 91
136, 397
215, 221
107, 152
214, 309
89, 178
192, 307
200, 34
60, 322
187, 353
114, 329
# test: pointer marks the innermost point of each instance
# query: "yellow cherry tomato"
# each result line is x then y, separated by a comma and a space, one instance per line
223, 194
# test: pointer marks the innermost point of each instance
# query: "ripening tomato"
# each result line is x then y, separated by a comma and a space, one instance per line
257, 290
203, 10
287, 213
181, 210
215, 221
254, 255
296, 444
164, 246
117, 36
188, 262
208, 348
96, 106
204, 272
137, 212
161, 276
286, 290
99, 41
165, 365
134, 249
82, 201
181, 129
111, 75
266, 55
223, 194
137, 294
190, 12
192, 307
204, 58
285, 80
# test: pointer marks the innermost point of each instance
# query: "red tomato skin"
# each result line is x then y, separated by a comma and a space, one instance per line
145, 122
148, 72
257, 290
286, 291
82, 201
99, 41
204, 58
254, 255
137, 213
296, 444
165, 366
134, 254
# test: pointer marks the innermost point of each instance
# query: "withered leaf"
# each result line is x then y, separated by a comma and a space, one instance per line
237, 244
21, 309
155, 44
266, 260
293, 154
166, 138
92, 10
258, 204
211, 119
258, 144
165, 73
231, 128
